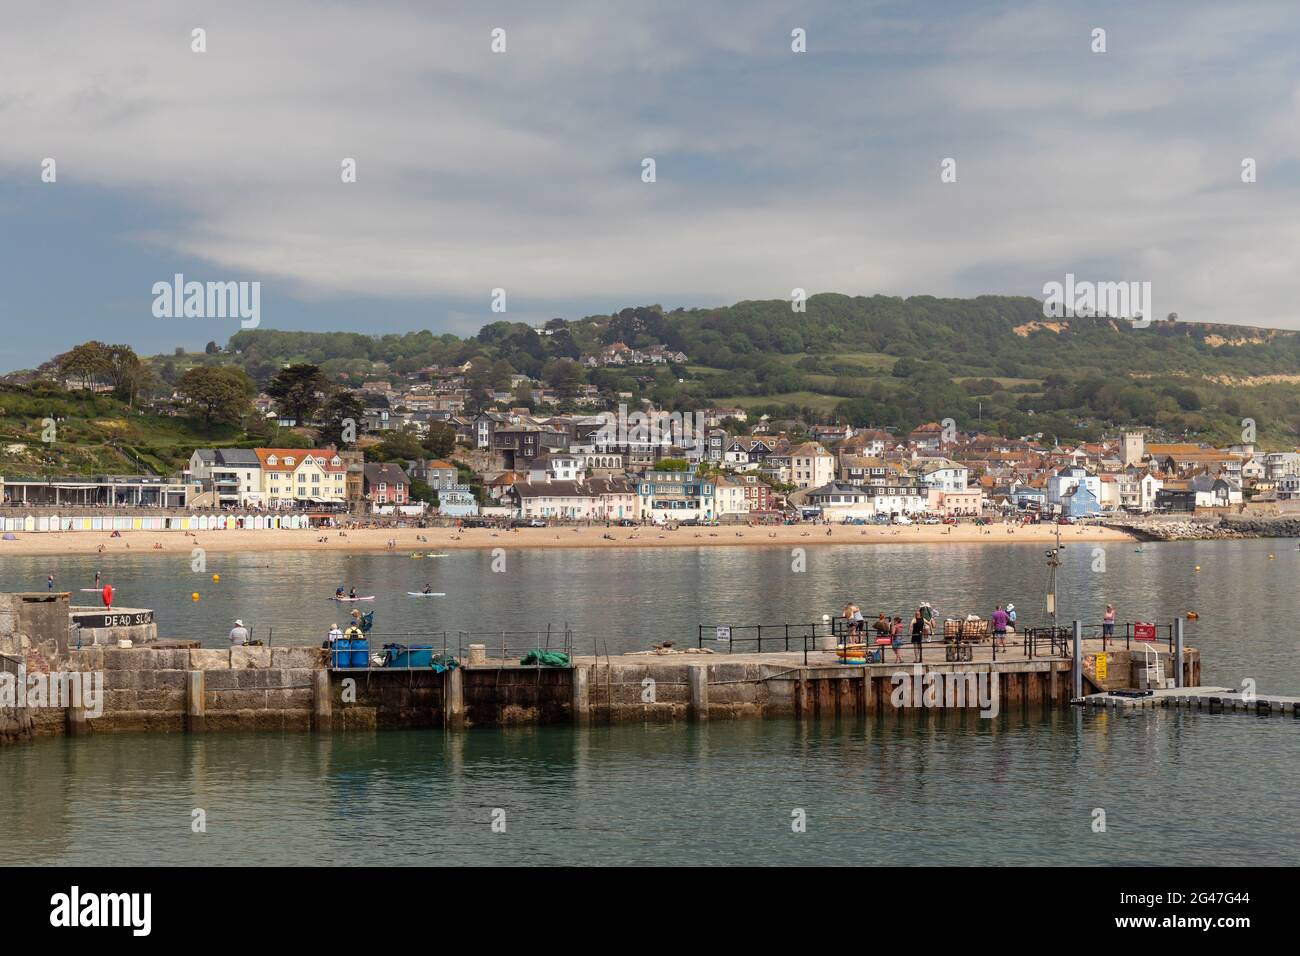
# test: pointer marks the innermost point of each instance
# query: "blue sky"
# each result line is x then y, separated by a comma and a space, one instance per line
522, 170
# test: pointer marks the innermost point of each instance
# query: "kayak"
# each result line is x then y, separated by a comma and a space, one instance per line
370, 597
427, 593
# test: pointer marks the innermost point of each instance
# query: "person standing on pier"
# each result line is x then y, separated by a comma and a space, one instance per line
1108, 621
896, 638
238, 634
918, 635
999, 619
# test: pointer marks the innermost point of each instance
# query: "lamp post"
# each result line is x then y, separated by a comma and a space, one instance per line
1053, 562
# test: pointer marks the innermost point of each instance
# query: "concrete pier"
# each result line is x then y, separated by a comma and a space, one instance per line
179, 688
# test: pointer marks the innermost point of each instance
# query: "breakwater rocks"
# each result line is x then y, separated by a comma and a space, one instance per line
1208, 528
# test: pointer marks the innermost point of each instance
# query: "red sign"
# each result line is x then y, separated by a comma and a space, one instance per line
1144, 632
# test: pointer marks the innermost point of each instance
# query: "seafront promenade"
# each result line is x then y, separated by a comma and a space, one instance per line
412, 539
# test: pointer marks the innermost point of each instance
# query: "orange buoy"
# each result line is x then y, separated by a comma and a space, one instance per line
194, 596
107, 593
1192, 616
216, 578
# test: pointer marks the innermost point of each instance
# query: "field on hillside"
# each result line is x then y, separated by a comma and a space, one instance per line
78, 433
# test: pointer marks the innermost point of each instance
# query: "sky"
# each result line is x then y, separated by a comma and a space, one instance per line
522, 170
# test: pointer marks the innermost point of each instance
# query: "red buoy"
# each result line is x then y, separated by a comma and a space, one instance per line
108, 595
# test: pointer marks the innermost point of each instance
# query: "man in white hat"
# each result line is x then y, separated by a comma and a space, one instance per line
238, 633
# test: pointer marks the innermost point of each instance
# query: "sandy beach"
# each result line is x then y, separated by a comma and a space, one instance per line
446, 539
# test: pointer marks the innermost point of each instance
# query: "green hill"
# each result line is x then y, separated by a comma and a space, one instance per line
991, 361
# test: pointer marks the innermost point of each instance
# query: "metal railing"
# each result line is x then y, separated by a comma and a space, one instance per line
957, 644
1126, 633
751, 637
516, 645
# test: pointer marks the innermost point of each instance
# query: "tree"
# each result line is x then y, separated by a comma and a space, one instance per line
343, 406
420, 491
129, 375
563, 375
396, 446
87, 363
297, 390
221, 393
440, 440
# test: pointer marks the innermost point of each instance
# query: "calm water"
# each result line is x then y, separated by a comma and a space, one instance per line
1176, 788
626, 599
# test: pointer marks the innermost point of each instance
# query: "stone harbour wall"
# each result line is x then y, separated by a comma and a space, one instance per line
1208, 527
155, 688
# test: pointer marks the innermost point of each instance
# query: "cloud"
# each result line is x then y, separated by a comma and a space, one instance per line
775, 170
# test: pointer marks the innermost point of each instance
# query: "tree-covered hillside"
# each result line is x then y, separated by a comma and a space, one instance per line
992, 361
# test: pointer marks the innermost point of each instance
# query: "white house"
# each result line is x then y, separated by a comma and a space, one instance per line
1138, 492
1067, 479
839, 499
232, 475
561, 467
596, 499
942, 474
302, 475
729, 494
811, 465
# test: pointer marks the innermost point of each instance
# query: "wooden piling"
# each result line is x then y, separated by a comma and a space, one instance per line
196, 720
581, 695
322, 702
699, 684
454, 697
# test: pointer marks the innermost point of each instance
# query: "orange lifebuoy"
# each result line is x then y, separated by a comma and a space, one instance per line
108, 595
